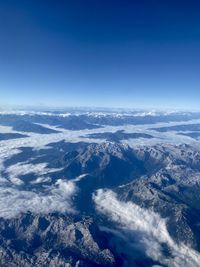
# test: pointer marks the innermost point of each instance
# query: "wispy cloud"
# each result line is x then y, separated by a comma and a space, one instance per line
40, 169
149, 227
57, 197
41, 179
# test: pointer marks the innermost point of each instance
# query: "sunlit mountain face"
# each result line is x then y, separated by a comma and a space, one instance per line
99, 188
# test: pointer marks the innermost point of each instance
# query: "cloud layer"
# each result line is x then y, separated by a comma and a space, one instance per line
40, 169
57, 197
15, 198
150, 229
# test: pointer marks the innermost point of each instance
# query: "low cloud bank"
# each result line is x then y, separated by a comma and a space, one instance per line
16, 170
57, 197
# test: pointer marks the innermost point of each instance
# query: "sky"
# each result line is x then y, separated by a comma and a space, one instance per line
134, 54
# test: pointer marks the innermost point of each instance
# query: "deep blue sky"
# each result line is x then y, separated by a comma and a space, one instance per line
100, 53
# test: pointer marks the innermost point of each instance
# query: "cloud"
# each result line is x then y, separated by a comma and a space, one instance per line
64, 188
41, 179
99, 114
54, 198
33, 113
9, 148
150, 229
16, 181
40, 169
5, 129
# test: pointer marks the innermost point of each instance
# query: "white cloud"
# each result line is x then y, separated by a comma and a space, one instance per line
41, 180
41, 141
55, 198
16, 181
150, 228
64, 188
18, 169
9, 148
5, 129
80, 177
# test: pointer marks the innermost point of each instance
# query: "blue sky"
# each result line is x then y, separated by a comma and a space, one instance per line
100, 53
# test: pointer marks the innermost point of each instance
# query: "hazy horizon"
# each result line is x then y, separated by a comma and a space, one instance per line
91, 108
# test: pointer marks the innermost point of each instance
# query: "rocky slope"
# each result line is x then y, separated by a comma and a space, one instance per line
163, 178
